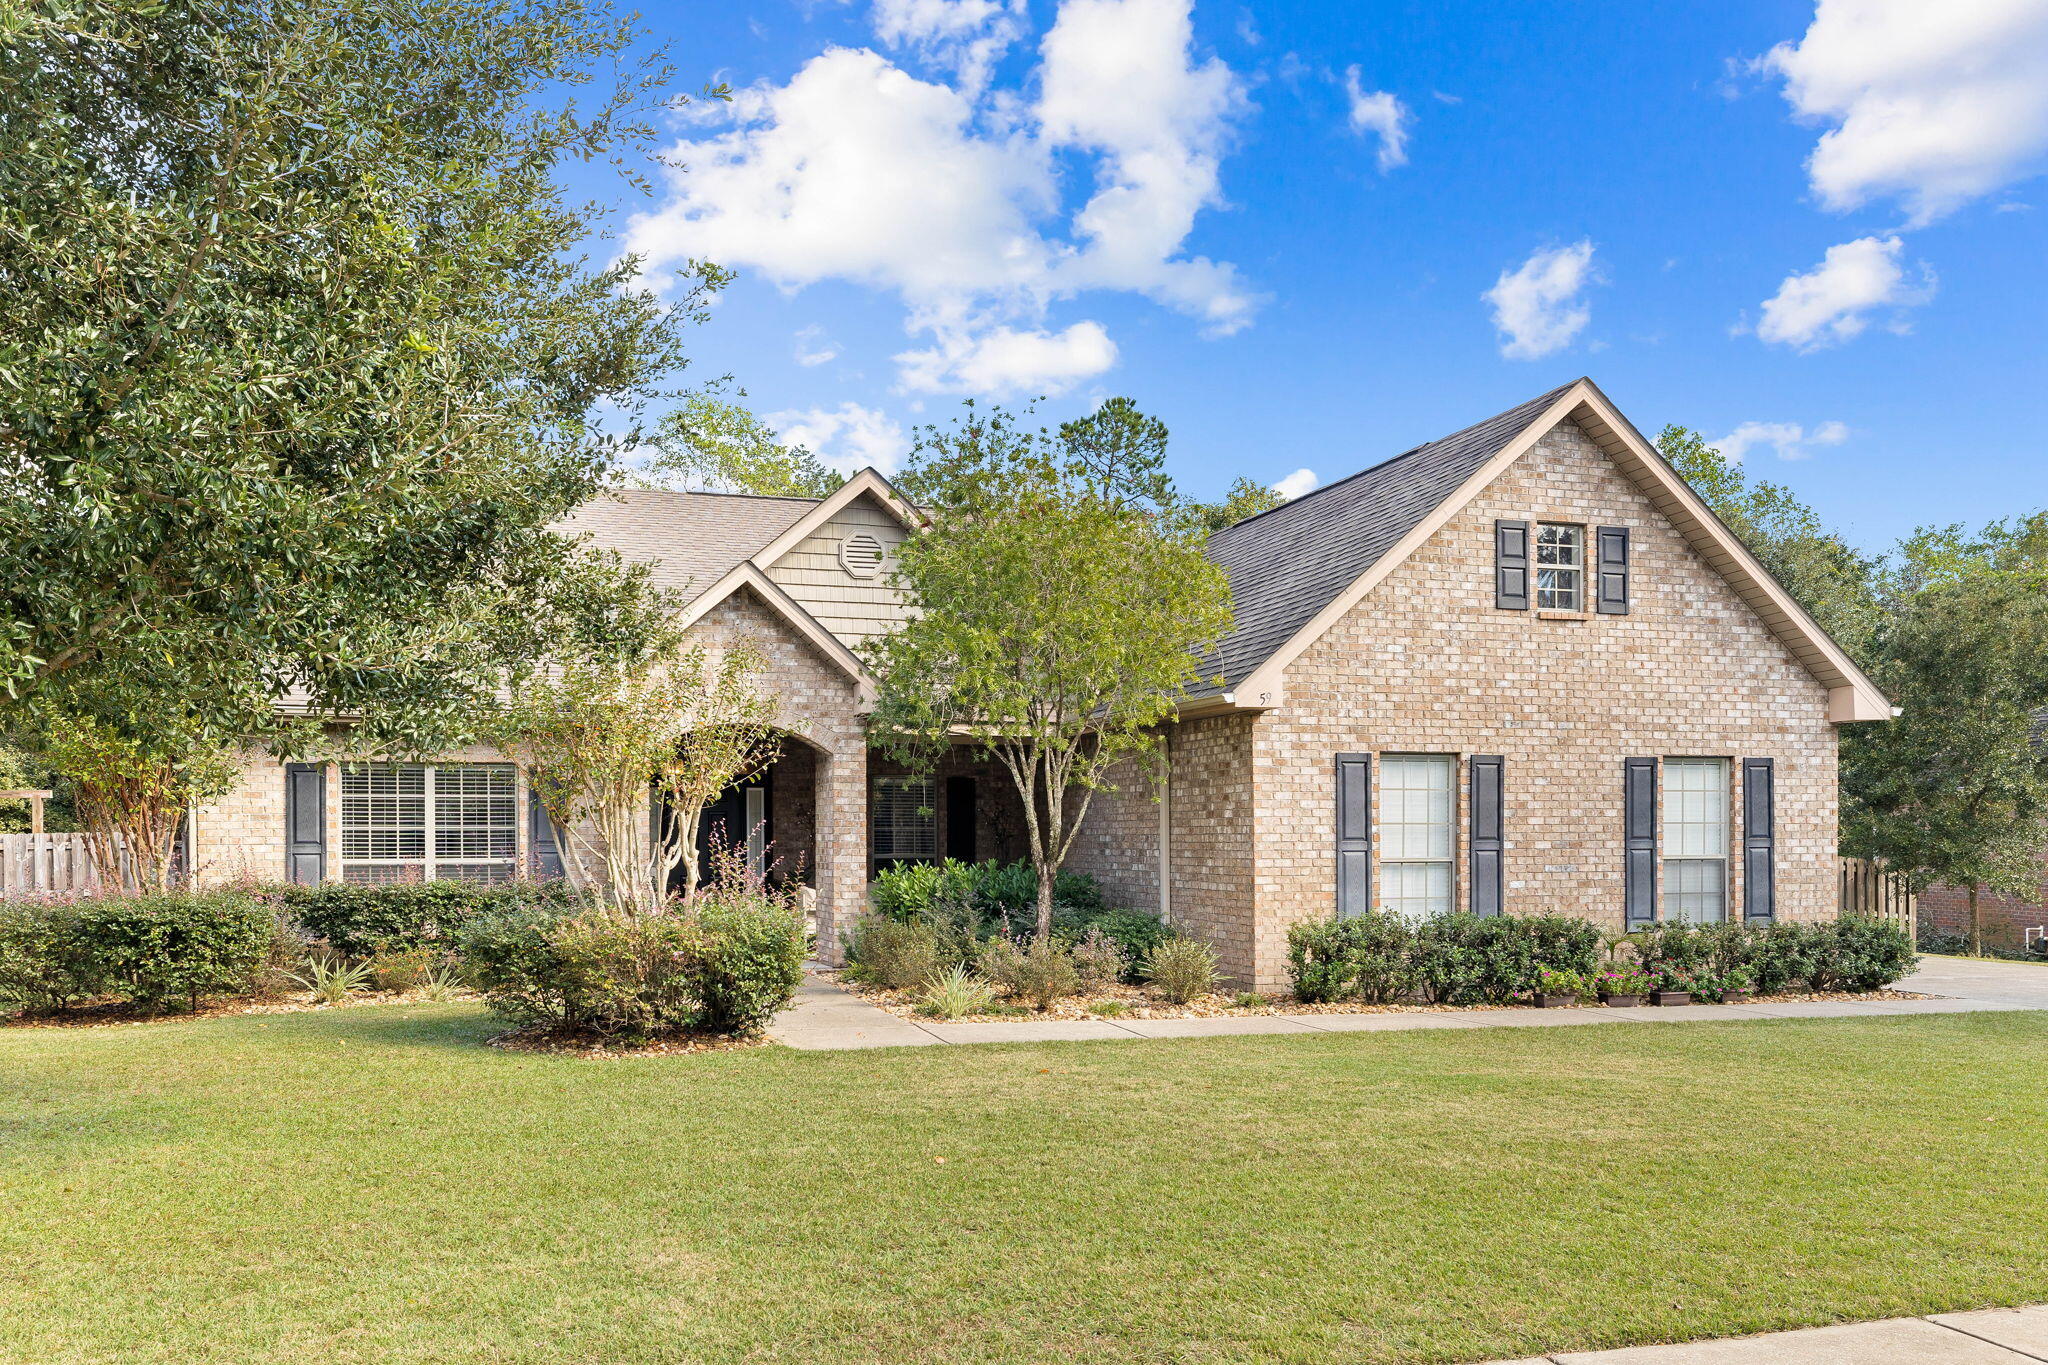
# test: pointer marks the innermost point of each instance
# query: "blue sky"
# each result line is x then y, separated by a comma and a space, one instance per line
1310, 236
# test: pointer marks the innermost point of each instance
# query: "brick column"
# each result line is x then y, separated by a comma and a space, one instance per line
842, 848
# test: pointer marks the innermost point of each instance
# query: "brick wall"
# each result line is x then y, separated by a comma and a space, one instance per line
1213, 852
2005, 919
1118, 843
1426, 664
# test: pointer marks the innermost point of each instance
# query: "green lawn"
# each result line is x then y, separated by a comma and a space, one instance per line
371, 1185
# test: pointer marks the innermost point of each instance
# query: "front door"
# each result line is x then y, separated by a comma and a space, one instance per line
737, 820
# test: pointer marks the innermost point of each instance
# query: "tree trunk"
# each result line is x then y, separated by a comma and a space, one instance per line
1976, 924
1046, 875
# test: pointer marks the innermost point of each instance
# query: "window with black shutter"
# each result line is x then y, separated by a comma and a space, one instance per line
1487, 841
1639, 841
1511, 565
1759, 840
1611, 565
1354, 834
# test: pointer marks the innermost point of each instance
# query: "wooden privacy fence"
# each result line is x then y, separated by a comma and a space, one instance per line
45, 862
1867, 889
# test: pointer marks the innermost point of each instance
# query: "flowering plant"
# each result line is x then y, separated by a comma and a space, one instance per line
1715, 986
1624, 980
1561, 981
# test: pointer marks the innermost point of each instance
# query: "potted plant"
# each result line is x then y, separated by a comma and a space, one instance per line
1725, 988
1558, 987
1623, 987
1668, 986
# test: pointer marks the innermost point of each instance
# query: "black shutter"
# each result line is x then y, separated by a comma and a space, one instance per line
1486, 834
1354, 834
1639, 836
1613, 570
1759, 841
543, 847
1511, 565
305, 823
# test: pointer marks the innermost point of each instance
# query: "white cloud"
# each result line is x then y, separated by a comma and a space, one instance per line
1004, 361
813, 347
1537, 306
965, 36
1832, 302
1382, 114
1789, 439
954, 198
1294, 485
1934, 104
1119, 79
846, 438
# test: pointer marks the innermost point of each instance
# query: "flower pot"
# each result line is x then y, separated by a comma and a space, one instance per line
1621, 1002
1671, 997
1738, 995
1545, 1001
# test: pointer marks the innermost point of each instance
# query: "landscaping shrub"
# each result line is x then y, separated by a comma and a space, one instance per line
1562, 943
724, 965
1462, 959
46, 964
1568, 982
954, 992
908, 891
1099, 962
1859, 953
1365, 957
400, 969
1950, 944
749, 960
1041, 970
892, 955
1006, 893
1135, 932
360, 920
1182, 969
1782, 956
158, 949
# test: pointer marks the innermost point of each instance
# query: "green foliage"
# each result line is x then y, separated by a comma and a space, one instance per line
1099, 961
1831, 579
955, 992
908, 891
158, 949
46, 962
963, 903
1182, 969
1061, 609
362, 920
749, 961
401, 969
1136, 933
1364, 957
1781, 956
305, 356
1624, 978
132, 781
1249, 1000
1459, 959
1041, 971
893, 955
725, 965
334, 980
715, 444
1246, 499
1859, 953
1572, 983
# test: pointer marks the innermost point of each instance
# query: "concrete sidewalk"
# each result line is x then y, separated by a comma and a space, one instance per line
826, 1018
1995, 1336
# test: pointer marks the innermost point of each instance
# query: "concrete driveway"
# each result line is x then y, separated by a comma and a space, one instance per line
1983, 979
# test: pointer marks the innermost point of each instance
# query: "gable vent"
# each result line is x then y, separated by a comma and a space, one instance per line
861, 555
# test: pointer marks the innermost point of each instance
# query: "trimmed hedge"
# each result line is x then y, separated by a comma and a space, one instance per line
966, 904
151, 950
725, 965
358, 921
1460, 959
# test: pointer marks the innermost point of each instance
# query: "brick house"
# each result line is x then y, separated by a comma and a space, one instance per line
1522, 668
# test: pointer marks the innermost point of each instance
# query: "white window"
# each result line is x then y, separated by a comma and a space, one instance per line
1560, 567
906, 824
1696, 839
414, 821
1418, 813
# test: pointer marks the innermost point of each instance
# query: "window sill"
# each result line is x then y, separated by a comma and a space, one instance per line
1564, 615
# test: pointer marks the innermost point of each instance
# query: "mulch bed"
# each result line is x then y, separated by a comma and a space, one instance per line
116, 1013
1137, 1003
572, 1043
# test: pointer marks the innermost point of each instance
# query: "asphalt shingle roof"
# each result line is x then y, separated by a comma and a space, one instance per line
691, 539
1288, 564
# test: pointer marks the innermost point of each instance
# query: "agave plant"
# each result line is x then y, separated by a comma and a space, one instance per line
950, 994
333, 980
442, 983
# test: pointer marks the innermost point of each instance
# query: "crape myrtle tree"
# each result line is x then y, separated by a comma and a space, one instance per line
600, 733
303, 359
1060, 604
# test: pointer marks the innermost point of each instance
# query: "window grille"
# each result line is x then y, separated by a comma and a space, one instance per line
1696, 839
1418, 813
905, 823
420, 822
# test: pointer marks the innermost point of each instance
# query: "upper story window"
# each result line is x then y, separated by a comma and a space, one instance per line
413, 821
1418, 812
1696, 839
1560, 567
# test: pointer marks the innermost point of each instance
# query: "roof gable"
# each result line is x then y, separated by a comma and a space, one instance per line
689, 541
1376, 519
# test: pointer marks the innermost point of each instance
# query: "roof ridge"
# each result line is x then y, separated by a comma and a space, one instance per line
1546, 399
712, 493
